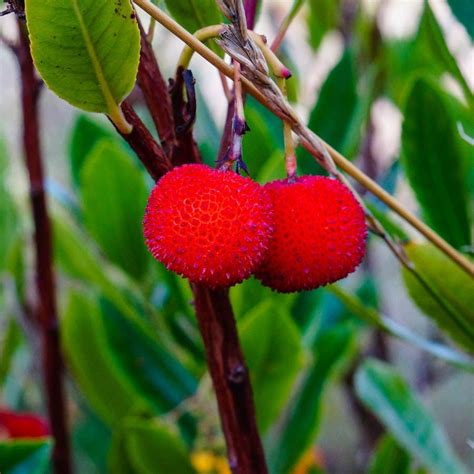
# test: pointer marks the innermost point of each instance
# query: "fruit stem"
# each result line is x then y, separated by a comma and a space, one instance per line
276, 66
231, 380
296, 7
290, 155
202, 35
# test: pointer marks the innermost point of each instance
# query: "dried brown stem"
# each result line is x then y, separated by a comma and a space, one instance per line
45, 310
231, 380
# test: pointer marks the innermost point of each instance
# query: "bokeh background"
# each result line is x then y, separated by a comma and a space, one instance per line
355, 54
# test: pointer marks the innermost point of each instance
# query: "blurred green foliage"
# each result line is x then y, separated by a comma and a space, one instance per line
140, 387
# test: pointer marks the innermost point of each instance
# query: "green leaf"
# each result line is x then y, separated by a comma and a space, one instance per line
152, 447
86, 133
9, 221
426, 53
433, 163
272, 347
123, 361
339, 112
451, 302
194, 14
87, 51
389, 397
114, 197
106, 389
324, 15
389, 458
362, 310
430, 43
155, 372
464, 12
10, 341
299, 425
24, 456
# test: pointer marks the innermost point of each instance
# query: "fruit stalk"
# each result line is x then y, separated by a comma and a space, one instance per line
46, 312
231, 380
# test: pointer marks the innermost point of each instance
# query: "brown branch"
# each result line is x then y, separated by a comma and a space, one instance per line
184, 109
231, 380
45, 310
155, 93
144, 145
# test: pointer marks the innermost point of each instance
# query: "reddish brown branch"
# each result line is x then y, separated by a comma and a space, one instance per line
144, 145
155, 93
231, 380
45, 309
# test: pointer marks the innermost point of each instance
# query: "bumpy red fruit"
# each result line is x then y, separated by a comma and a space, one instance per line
319, 234
210, 226
22, 425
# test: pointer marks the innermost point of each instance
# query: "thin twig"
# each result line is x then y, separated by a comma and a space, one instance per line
309, 140
46, 311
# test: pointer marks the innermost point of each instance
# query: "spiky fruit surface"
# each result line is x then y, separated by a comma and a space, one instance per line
210, 226
22, 425
319, 234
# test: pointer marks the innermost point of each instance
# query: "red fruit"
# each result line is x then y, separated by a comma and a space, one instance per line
22, 425
319, 235
210, 226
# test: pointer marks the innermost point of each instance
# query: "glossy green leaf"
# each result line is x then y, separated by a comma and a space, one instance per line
339, 112
114, 197
300, 423
152, 447
370, 315
194, 14
389, 458
86, 133
433, 162
451, 302
123, 361
464, 12
87, 52
25, 456
324, 15
388, 396
154, 370
272, 347
106, 389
